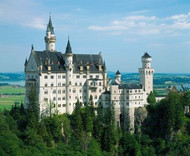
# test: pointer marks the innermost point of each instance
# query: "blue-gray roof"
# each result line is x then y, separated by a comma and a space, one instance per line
130, 86
57, 61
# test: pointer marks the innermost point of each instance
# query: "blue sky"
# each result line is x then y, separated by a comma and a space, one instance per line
121, 29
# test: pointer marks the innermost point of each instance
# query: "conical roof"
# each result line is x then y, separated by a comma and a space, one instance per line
117, 73
50, 26
146, 55
68, 48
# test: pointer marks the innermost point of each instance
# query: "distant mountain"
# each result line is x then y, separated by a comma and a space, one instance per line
12, 76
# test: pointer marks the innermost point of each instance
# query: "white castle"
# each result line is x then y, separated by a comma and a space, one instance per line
63, 78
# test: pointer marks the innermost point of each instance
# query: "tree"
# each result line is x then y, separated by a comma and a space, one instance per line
151, 98
33, 107
77, 121
110, 136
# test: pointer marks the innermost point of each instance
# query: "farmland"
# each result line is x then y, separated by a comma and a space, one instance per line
9, 94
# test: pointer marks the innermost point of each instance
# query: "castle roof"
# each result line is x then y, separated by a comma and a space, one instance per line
68, 48
130, 86
57, 62
146, 55
50, 26
117, 73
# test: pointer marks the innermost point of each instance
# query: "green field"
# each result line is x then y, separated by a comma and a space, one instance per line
10, 98
11, 90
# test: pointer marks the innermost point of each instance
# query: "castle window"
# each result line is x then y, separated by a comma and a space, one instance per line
97, 76
59, 84
69, 97
78, 76
46, 99
100, 90
130, 91
114, 98
114, 91
91, 76
69, 82
59, 76
139, 91
59, 98
46, 92
59, 91
84, 76
80, 91
100, 83
69, 90
63, 76
75, 97
52, 84
52, 77
74, 91
63, 105
63, 98
63, 84
59, 105
80, 84
76, 84
96, 97
54, 91
54, 98
63, 91
46, 84
135, 91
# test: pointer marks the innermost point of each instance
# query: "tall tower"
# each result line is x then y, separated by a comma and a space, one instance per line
69, 73
50, 37
118, 77
146, 73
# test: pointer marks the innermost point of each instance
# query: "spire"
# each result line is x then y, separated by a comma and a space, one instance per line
146, 55
32, 48
26, 61
117, 73
68, 48
105, 66
50, 26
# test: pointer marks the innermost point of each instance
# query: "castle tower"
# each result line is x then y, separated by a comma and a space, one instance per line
69, 73
50, 37
118, 77
104, 75
146, 73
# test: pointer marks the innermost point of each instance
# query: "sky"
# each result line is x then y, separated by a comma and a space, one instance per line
122, 30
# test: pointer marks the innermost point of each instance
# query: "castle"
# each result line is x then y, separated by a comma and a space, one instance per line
63, 78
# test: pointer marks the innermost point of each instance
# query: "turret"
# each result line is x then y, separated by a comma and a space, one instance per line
146, 74
69, 73
50, 37
118, 77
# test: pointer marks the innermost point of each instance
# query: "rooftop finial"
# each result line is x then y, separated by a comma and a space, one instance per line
32, 47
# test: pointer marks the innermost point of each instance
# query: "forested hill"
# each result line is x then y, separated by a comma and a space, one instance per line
12, 76
164, 131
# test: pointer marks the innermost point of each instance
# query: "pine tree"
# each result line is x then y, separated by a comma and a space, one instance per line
151, 98
77, 121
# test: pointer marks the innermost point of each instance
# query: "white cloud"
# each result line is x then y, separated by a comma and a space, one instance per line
37, 23
147, 25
